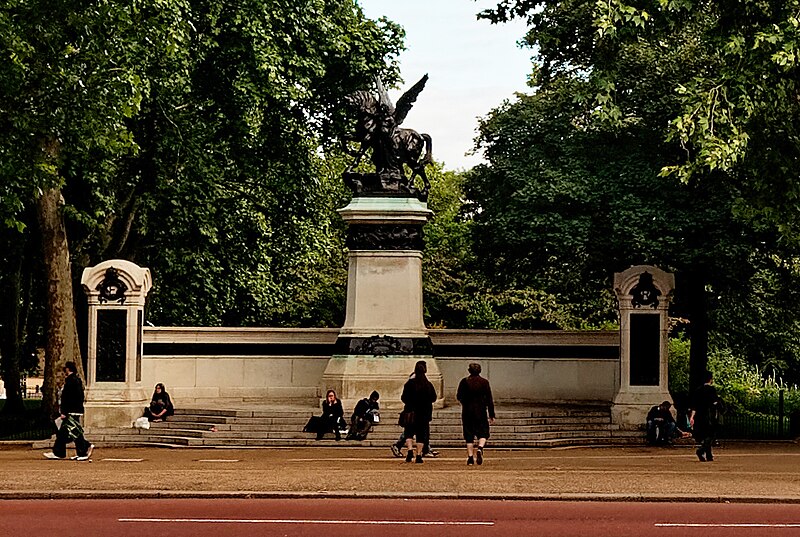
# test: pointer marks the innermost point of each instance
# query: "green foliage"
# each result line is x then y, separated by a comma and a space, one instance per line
635, 148
722, 77
746, 389
744, 386
679, 365
240, 223
457, 295
195, 138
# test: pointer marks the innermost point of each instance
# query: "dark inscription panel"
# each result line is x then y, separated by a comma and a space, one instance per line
645, 349
139, 345
111, 339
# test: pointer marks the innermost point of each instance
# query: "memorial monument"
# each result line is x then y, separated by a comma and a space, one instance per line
116, 291
644, 293
384, 334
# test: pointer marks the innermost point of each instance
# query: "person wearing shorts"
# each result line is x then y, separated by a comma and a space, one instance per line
477, 412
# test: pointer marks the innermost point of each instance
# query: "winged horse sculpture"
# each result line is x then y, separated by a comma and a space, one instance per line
378, 128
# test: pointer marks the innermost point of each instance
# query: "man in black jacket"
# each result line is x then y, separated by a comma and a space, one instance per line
705, 417
477, 411
71, 413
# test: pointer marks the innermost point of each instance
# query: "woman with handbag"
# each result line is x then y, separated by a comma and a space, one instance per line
418, 398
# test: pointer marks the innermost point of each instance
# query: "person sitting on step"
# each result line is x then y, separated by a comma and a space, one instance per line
661, 426
332, 416
160, 405
364, 415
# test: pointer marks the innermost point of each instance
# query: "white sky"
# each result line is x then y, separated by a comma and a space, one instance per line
473, 66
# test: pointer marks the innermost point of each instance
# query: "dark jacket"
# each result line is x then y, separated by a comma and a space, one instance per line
658, 413
419, 396
706, 406
332, 411
475, 396
364, 406
72, 395
161, 401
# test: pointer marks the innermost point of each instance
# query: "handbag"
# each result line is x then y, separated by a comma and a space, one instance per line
314, 425
72, 428
141, 423
406, 418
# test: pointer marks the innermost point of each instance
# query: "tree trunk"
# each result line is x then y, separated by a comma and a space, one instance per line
10, 333
698, 327
62, 338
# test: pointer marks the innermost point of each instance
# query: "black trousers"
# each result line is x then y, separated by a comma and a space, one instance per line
60, 445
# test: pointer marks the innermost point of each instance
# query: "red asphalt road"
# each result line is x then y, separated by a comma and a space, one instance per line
388, 518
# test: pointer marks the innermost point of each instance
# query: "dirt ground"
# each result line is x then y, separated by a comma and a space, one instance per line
750, 471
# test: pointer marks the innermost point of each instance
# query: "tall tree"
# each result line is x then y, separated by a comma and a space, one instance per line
181, 135
639, 89
69, 82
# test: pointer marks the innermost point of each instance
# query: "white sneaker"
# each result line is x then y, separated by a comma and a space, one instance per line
51, 455
88, 454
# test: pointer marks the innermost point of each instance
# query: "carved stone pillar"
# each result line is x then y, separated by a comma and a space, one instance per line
384, 334
116, 291
644, 294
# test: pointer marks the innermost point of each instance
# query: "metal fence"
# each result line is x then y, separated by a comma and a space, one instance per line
766, 418
755, 427
34, 433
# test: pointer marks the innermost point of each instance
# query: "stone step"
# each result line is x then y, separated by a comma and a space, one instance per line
455, 412
377, 433
455, 421
188, 437
535, 426
452, 428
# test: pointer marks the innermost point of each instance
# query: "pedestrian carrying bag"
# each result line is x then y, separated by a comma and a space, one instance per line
406, 418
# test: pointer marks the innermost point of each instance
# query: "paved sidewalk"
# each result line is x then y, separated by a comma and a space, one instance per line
752, 472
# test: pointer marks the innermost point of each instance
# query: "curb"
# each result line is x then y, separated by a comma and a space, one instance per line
254, 495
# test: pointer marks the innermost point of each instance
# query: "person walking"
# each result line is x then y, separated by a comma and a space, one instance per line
705, 417
401, 440
71, 408
418, 398
477, 411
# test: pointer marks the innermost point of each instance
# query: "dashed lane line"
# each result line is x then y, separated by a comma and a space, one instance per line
312, 521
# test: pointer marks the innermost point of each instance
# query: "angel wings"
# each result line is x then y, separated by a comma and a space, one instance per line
393, 148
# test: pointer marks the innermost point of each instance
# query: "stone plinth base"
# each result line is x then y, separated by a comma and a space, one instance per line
354, 377
114, 407
630, 409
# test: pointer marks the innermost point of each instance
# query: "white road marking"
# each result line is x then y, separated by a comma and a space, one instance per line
728, 525
310, 521
217, 460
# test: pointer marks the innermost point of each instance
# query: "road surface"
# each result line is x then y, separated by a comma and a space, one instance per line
389, 518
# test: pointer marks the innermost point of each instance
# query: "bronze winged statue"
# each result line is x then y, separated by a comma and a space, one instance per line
378, 128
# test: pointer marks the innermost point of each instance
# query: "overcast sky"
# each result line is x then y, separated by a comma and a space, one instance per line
473, 66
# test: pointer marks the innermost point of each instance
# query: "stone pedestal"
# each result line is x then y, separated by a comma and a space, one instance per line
383, 334
644, 294
116, 291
